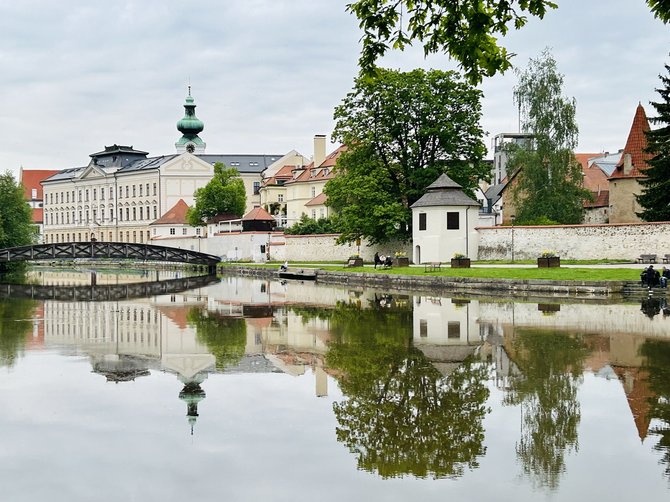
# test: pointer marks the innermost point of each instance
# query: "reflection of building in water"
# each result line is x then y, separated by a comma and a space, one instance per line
82, 276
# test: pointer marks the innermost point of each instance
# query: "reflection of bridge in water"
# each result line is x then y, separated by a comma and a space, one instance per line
106, 292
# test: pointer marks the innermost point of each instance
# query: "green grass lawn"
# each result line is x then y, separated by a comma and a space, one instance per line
556, 274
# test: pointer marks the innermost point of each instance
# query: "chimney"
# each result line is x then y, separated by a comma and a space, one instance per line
627, 163
319, 149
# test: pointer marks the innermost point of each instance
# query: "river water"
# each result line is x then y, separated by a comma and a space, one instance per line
247, 389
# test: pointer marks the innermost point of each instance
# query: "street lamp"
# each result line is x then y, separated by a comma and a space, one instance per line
513, 217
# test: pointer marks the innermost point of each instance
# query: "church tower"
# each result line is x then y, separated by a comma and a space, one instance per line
190, 126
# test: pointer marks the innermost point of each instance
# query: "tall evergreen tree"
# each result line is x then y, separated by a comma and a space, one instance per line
655, 196
16, 223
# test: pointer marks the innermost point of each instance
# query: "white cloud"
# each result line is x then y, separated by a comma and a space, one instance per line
267, 74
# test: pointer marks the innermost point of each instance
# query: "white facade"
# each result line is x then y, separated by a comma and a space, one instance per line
437, 239
110, 204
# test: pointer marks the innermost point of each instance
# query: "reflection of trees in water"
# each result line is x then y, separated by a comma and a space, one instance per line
657, 354
551, 367
401, 415
15, 325
225, 337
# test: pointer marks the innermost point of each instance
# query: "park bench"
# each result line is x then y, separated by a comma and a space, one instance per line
432, 266
647, 258
666, 258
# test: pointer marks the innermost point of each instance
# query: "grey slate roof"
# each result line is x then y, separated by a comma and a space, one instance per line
493, 192
244, 163
444, 192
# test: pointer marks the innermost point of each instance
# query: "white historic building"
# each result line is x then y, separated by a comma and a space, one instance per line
444, 222
122, 190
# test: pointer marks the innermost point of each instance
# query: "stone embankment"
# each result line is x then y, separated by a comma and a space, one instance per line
473, 285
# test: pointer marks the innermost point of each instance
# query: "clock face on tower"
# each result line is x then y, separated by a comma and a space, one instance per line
190, 148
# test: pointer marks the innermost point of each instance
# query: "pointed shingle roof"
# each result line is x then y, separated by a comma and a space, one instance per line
635, 146
444, 192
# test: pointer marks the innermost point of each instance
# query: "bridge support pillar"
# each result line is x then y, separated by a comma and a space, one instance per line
211, 269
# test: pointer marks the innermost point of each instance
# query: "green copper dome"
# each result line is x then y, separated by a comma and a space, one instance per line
190, 125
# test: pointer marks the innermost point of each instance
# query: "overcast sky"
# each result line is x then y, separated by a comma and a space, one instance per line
266, 74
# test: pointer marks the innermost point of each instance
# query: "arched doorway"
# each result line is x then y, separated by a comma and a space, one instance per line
417, 254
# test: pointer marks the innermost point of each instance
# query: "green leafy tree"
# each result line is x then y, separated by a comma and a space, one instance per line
15, 326
225, 337
467, 30
549, 177
546, 390
16, 224
224, 193
402, 130
400, 415
655, 196
308, 226
661, 9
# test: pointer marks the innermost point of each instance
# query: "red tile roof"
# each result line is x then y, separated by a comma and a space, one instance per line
285, 173
38, 215
257, 214
324, 171
601, 199
594, 178
30, 179
635, 146
319, 200
175, 216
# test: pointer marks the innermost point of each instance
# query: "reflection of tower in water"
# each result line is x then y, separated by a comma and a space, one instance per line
192, 394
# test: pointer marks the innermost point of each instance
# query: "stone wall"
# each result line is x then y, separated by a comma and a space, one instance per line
582, 242
325, 248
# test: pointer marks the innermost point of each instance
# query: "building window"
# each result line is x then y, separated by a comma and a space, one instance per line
127, 191
134, 214
140, 190
155, 231
314, 214
423, 328
128, 217
87, 216
120, 214
197, 231
183, 231
453, 329
280, 197
155, 212
172, 231
133, 190
257, 187
422, 221
147, 189
134, 236
154, 188
86, 195
111, 215
33, 193
80, 220
313, 192
452, 221
141, 212
111, 192
95, 193
102, 194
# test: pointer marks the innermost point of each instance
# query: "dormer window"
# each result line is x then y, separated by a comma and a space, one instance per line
312, 173
325, 171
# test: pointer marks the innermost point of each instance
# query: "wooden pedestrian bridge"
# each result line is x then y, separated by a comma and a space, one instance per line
107, 251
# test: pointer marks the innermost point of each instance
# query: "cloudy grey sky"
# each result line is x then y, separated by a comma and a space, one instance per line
266, 74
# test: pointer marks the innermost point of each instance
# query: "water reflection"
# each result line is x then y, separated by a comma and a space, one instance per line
656, 395
550, 367
16, 324
413, 383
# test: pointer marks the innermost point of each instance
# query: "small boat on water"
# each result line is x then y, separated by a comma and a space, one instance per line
303, 274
